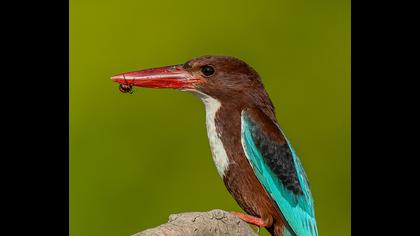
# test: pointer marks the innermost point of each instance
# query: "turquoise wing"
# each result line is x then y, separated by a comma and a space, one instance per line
279, 170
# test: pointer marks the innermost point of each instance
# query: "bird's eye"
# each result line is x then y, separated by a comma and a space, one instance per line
207, 70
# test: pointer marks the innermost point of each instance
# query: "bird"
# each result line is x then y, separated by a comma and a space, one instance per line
252, 155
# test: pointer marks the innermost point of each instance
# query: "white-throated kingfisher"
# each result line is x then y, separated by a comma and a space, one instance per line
252, 155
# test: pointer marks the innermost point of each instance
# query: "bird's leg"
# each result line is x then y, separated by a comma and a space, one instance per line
251, 219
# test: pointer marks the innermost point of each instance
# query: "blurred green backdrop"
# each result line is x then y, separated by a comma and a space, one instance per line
135, 159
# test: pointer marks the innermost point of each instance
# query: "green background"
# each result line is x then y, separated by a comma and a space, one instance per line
135, 159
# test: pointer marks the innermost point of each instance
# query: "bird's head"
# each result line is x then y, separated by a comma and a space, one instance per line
226, 79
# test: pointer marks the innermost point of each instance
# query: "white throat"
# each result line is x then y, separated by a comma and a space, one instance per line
218, 151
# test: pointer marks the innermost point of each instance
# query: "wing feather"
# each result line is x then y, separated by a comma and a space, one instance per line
279, 170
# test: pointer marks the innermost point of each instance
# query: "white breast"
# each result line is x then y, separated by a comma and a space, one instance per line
218, 151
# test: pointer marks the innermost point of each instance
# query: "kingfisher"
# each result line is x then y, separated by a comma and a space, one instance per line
252, 155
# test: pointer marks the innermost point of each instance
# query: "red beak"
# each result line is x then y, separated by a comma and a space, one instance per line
163, 77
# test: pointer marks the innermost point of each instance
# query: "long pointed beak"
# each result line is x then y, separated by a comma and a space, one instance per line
163, 77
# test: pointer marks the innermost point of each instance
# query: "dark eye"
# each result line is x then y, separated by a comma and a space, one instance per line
207, 70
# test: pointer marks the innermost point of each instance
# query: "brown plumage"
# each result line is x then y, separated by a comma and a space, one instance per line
240, 83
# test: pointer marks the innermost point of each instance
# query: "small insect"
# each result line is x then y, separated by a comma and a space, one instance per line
126, 88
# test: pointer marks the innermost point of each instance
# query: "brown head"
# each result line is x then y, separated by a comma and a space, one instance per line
226, 79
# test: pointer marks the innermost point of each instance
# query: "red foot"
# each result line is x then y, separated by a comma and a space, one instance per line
250, 219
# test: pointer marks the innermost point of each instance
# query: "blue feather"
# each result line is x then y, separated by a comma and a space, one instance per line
297, 209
